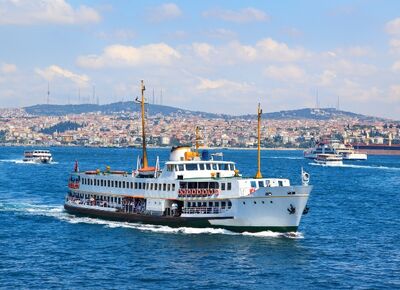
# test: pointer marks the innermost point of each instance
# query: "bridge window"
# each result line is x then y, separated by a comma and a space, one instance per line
208, 166
224, 166
173, 187
229, 186
280, 183
181, 167
214, 166
201, 166
170, 167
191, 166
253, 183
260, 183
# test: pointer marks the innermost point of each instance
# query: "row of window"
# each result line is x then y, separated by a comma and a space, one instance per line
111, 199
205, 185
129, 185
209, 204
200, 166
263, 183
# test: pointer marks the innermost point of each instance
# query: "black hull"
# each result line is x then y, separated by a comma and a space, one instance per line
170, 221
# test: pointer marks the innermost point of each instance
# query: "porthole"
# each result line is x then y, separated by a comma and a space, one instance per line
255, 202
263, 202
244, 202
271, 201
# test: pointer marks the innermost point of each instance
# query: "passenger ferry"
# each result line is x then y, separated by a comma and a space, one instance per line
329, 159
347, 151
38, 156
190, 190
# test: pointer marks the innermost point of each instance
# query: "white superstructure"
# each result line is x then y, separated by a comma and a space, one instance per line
38, 156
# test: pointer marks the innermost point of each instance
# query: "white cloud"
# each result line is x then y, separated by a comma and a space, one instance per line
118, 35
278, 51
327, 77
394, 93
241, 16
394, 45
393, 26
207, 84
396, 66
52, 72
203, 50
126, 56
285, 73
8, 68
164, 12
25, 12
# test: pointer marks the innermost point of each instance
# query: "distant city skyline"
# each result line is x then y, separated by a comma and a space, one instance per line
212, 56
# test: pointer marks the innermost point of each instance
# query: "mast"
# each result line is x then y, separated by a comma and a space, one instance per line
259, 112
144, 156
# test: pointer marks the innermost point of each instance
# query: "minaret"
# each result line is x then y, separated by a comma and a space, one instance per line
259, 112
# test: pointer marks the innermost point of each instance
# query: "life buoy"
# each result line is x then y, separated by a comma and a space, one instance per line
252, 190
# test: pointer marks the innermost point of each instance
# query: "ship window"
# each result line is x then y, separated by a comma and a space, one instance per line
222, 186
253, 183
173, 187
224, 166
170, 167
214, 185
216, 204
101, 182
229, 186
119, 184
223, 204
192, 185
151, 186
229, 204
169, 187
131, 185
181, 167
183, 184
198, 204
136, 185
203, 185
208, 166
214, 166
280, 183
155, 186
108, 183
204, 204
201, 166
191, 166
231, 166
164, 187
210, 204
261, 183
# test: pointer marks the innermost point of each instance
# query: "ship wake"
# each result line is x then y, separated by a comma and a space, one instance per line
58, 212
357, 166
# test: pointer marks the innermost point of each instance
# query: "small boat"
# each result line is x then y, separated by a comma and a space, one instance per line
320, 148
329, 159
348, 152
37, 156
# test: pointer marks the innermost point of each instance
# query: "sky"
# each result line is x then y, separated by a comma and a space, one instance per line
214, 56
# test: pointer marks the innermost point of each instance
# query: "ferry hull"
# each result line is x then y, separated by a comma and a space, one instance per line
175, 222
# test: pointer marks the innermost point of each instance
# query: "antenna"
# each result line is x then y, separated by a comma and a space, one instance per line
338, 104
93, 94
48, 93
259, 113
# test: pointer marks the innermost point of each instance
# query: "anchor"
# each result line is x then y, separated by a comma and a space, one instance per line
291, 209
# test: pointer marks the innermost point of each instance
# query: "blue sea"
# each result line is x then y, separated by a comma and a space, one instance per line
349, 239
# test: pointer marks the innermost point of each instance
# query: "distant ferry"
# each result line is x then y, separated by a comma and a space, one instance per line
37, 156
329, 159
346, 151
378, 149
191, 190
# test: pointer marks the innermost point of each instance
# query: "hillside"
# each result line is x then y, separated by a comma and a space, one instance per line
113, 108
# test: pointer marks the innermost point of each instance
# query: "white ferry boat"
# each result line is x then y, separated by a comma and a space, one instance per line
38, 156
320, 148
334, 147
329, 159
348, 152
191, 190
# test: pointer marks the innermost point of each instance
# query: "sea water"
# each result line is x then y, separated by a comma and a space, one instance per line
349, 239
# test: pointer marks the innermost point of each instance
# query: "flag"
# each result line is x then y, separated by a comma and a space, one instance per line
76, 167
